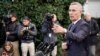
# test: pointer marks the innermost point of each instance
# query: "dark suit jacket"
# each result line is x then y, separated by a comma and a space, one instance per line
94, 29
76, 38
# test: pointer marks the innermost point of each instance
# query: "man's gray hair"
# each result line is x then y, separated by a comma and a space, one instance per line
77, 3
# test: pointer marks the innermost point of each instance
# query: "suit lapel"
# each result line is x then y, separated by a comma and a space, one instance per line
72, 28
69, 26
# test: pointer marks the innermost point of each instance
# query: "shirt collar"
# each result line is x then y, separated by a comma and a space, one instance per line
76, 21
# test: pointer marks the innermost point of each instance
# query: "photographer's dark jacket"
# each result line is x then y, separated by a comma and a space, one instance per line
49, 36
12, 28
94, 29
28, 36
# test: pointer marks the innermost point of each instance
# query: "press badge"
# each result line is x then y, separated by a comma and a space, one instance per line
49, 34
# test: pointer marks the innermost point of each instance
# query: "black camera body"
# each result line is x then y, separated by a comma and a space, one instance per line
26, 30
49, 17
5, 20
48, 20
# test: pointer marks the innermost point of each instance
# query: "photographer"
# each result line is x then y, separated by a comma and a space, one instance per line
27, 32
94, 30
49, 36
11, 32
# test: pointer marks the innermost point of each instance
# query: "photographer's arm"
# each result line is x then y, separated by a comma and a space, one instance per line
44, 28
15, 30
20, 30
33, 31
96, 27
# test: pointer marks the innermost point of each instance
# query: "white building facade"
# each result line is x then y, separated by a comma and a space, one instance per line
93, 7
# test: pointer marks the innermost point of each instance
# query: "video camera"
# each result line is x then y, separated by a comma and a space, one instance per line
48, 20
49, 17
5, 19
44, 48
26, 30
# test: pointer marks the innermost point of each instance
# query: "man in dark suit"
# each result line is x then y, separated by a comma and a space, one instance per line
77, 32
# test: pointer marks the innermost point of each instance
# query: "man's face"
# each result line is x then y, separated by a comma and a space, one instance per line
13, 19
26, 22
87, 17
74, 12
8, 48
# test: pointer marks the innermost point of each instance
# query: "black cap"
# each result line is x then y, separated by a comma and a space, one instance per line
26, 18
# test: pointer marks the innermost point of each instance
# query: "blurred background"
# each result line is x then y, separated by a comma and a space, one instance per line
36, 9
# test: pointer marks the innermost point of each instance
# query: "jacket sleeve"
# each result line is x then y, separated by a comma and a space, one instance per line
15, 30
33, 30
96, 27
19, 30
44, 28
81, 34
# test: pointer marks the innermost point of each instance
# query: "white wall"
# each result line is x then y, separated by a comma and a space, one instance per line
93, 6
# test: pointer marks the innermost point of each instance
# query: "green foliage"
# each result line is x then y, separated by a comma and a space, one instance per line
36, 10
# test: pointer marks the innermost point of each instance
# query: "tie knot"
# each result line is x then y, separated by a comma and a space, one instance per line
72, 25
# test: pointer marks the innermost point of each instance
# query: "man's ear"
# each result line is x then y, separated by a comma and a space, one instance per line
81, 11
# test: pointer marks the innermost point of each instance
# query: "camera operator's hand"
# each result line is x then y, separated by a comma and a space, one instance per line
29, 30
7, 33
22, 30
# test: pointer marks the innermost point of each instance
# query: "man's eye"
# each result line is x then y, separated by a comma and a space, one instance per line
72, 10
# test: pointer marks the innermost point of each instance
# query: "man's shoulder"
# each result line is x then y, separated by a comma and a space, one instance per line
93, 20
83, 22
32, 24
20, 25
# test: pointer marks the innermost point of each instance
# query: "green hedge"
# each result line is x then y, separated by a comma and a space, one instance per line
36, 9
